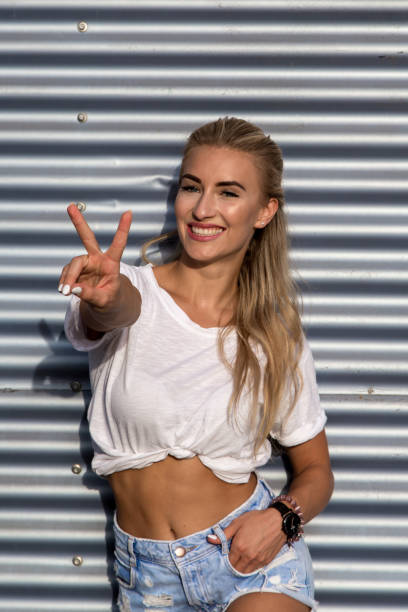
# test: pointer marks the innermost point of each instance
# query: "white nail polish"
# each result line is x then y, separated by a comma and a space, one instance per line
213, 538
66, 289
77, 290
60, 287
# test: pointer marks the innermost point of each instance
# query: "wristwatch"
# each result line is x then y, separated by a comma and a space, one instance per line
291, 521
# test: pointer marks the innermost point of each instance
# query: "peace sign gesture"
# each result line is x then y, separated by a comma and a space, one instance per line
95, 276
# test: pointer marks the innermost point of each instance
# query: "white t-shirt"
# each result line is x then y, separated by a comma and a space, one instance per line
159, 388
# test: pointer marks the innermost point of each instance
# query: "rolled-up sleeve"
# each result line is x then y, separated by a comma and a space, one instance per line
73, 326
75, 331
307, 417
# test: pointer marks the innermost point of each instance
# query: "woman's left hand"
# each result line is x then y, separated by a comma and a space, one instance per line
257, 537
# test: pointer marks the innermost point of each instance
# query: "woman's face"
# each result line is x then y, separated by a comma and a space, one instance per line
220, 203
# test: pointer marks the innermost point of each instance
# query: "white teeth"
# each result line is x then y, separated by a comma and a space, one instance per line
205, 232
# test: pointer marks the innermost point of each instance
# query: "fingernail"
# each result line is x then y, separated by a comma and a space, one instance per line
213, 538
77, 290
66, 289
60, 287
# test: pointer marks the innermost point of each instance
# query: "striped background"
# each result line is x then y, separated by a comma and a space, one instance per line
328, 81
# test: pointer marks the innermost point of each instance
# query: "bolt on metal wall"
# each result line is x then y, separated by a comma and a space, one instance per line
96, 101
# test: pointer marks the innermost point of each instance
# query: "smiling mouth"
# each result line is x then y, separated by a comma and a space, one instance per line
205, 231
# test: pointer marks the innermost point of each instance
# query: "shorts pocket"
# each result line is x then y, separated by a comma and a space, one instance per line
124, 572
285, 554
234, 571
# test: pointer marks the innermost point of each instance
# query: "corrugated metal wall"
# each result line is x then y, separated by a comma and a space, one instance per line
328, 81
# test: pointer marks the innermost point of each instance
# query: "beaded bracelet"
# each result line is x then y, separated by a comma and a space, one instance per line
297, 509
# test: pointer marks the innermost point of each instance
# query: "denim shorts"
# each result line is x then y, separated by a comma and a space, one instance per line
191, 574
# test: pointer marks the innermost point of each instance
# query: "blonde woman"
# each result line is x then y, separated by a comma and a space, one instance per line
196, 365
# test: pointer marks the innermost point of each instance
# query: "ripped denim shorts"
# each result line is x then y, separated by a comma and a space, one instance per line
192, 574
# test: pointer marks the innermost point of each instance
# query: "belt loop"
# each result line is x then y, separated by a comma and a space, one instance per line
268, 488
131, 551
221, 535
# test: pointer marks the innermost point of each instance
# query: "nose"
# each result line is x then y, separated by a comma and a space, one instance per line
205, 206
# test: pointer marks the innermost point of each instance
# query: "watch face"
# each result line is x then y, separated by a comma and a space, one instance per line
291, 524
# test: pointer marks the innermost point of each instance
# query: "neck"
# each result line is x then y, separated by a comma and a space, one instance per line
208, 286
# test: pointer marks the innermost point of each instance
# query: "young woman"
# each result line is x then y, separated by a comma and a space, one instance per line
195, 366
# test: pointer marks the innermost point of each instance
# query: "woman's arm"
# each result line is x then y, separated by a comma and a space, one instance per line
108, 298
313, 482
123, 311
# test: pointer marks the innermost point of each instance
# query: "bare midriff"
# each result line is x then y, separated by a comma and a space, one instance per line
174, 498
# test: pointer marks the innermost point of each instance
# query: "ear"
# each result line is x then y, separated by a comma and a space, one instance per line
267, 213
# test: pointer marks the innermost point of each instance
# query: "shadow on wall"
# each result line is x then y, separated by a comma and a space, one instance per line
166, 249
63, 373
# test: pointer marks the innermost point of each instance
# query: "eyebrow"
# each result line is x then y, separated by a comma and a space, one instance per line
220, 184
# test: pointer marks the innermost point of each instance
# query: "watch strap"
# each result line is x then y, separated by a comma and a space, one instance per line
281, 507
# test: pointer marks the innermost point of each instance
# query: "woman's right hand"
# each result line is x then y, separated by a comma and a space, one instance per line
95, 277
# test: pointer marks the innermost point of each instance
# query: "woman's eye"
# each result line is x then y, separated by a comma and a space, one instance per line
188, 188
230, 194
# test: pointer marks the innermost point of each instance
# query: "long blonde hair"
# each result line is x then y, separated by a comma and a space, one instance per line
267, 309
